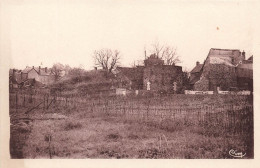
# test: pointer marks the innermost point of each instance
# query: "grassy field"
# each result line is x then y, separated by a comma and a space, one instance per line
78, 133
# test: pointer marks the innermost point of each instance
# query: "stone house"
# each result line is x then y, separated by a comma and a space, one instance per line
219, 71
154, 76
158, 76
245, 75
195, 74
43, 75
130, 78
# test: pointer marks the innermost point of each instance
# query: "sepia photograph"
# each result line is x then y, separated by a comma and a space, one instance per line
130, 79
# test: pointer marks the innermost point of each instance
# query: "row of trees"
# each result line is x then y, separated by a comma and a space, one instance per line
60, 70
108, 59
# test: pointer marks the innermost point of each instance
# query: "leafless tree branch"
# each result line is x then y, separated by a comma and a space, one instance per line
107, 59
57, 70
166, 53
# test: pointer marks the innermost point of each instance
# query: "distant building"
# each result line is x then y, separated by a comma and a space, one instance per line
158, 76
20, 79
13, 84
223, 69
43, 75
154, 76
15, 75
245, 75
130, 78
195, 74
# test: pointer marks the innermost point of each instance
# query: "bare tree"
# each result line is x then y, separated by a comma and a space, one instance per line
106, 58
166, 53
57, 70
67, 68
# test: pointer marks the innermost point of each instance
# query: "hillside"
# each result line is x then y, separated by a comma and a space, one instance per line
85, 83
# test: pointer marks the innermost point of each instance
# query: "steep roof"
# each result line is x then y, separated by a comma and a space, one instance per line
27, 69
40, 71
224, 49
210, 54
197, 68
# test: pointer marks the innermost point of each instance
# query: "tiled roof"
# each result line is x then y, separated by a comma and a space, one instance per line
27, 69
224, 49
250, 58
41, 70
197, 68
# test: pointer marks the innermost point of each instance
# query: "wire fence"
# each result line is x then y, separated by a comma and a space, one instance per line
168, 112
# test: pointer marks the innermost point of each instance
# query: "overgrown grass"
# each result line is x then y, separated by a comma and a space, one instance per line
70, 125
90, 134
110, 137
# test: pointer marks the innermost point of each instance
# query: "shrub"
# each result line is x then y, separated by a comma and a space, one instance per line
113, 136
72, 125
133, 136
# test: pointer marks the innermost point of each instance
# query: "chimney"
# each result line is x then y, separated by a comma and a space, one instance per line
46, 69
243, 55
39, 69
197, 63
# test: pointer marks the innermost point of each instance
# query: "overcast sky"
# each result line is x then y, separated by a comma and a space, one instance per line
45, 32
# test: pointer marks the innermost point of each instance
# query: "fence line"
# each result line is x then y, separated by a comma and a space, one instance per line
236, 117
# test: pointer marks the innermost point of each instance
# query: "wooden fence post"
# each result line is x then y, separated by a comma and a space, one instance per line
49, 140
16, 102
47, 102
44, 102
147, 111
24, 100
